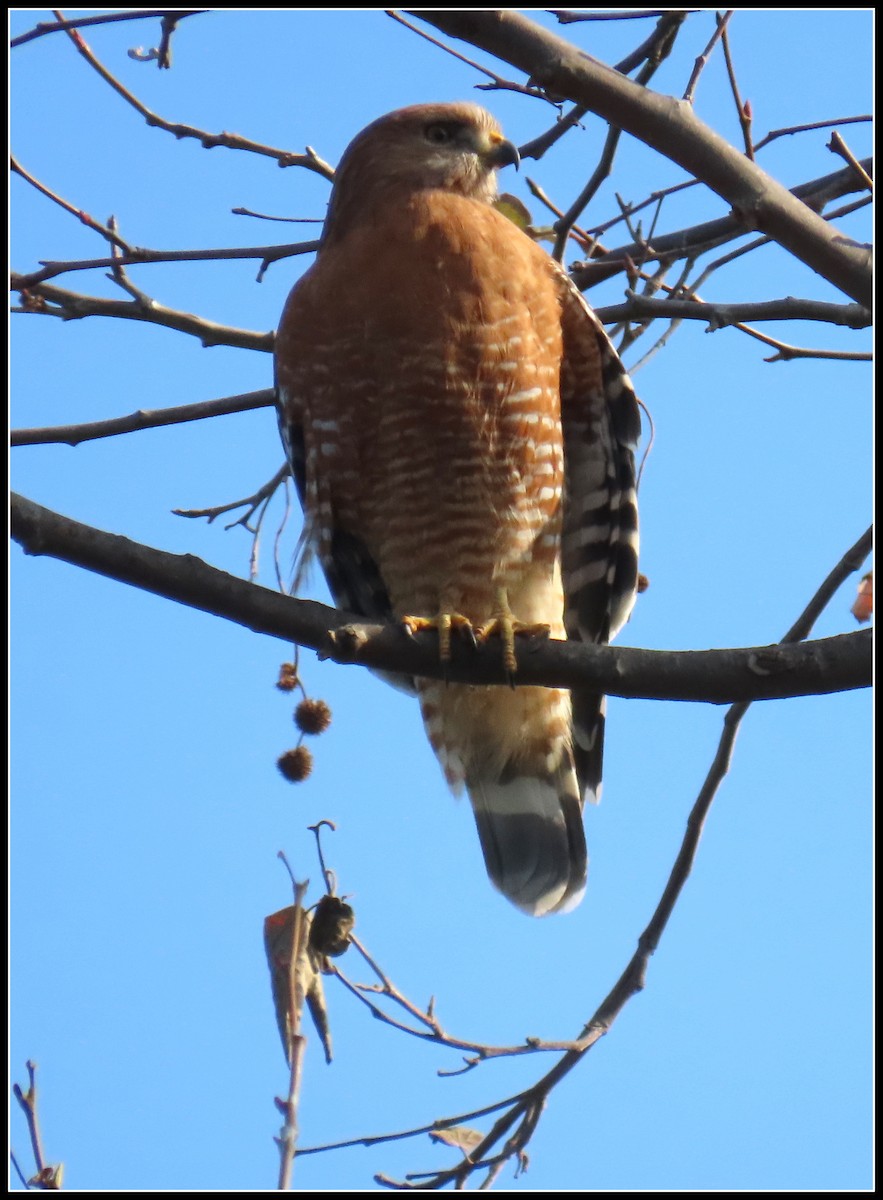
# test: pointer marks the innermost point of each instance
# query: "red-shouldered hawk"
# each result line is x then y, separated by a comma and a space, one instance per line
462, 434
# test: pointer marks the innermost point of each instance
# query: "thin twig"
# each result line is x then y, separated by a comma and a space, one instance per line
538, 146
497, 81
73, 435
665, 35
701, 61
108, 234
837, 146
682, 292
790, 130
316, 830
743, 108
46, 1177
48, 300
708, 235
402, 1135
277, 542
231, 141
564, 17
134, 257
432, 1030
251, 503
118, 273
45, 27
28, 1103
19, 1172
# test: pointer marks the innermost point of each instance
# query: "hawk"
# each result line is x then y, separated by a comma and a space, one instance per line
462, 436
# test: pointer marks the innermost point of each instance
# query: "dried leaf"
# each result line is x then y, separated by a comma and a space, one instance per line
513, 208
460, 1136
279, 944
319, 1013
863, 609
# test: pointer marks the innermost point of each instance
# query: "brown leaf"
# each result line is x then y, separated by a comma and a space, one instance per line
863, 609
279, 944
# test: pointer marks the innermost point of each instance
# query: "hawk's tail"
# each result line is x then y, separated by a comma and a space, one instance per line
532, 836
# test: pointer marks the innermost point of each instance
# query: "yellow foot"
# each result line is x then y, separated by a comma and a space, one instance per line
444, 622
506, 625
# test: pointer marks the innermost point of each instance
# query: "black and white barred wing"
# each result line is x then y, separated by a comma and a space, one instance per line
601, 423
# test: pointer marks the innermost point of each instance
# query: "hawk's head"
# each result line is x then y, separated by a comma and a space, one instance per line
454, 147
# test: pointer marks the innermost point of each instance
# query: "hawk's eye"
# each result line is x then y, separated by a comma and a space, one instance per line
440, 133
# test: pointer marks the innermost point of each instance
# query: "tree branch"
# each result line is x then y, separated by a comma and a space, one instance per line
759, 201
698, 239
48, 300
87, 431
44, 27
713, 676
232, 141
525, 1109
136, 256
719, 316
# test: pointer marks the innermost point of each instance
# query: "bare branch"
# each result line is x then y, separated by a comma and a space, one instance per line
719, 316
698, 239
743, 108
105, 232
497, 81
702, 60
250, 503
431, 1029
401, 1135
568, 18
48, 300
525, 1109
46, 1178
45, 27
663, 41
715, 676
837, 146
231, 141
73, 435
785, 351
664, 32
538, 146
760, 201
790, 130
134, 257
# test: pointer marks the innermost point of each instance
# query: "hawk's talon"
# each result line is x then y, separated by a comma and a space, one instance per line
506, 625
444, 622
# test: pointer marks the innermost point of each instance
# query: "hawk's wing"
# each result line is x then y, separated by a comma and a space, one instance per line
601, 424
353, 577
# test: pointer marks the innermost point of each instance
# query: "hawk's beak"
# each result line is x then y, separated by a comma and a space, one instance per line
503, 153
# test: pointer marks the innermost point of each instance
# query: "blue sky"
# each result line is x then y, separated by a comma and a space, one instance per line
146, 806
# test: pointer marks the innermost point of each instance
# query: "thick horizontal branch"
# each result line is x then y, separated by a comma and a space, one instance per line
670, 126
714, 676
87, 431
